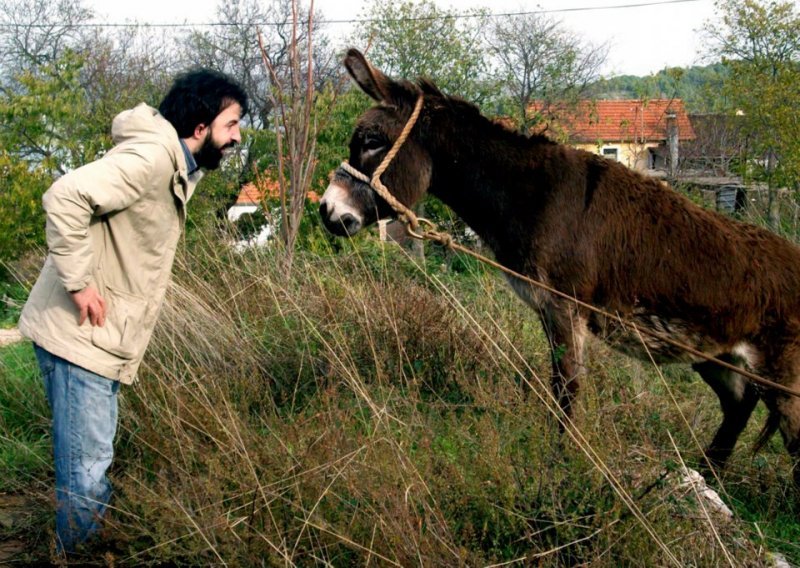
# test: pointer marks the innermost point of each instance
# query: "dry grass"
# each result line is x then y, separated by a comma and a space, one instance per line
365, 410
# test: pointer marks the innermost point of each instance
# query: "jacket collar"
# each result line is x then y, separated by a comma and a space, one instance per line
191, 163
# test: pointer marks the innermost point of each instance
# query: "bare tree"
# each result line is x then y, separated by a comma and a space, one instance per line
293, 98
127, 68
541, 61
36, 32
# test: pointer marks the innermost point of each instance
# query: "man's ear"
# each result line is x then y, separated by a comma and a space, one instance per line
199, 131
373, 82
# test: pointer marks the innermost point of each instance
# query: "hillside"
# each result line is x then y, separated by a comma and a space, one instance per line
698, 86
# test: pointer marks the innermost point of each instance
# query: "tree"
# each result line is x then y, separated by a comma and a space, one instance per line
540, 61
760, 44
58, 95
45, 120
21, 215
293, 98
410, 39
233, 47
36, 32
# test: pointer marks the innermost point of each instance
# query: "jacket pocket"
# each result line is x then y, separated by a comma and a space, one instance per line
123, 332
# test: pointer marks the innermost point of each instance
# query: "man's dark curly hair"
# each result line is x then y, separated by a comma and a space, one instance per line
197, 97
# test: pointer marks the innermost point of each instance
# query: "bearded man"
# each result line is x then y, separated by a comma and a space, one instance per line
112, 229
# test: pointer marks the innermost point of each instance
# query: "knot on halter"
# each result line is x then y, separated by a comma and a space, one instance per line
409, 218
445, 239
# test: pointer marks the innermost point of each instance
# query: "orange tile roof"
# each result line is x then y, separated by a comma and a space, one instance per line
249, 195
623, 120
253, 193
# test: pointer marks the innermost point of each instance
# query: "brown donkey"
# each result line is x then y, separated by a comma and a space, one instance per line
597, 230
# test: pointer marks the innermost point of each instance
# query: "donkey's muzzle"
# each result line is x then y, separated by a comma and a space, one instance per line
342, 225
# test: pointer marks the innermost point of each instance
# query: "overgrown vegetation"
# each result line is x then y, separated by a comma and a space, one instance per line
369, 409
363, 408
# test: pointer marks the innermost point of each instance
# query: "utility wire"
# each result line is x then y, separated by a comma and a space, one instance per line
356, 20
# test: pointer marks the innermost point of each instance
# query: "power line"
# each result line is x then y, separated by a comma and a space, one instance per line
356, 20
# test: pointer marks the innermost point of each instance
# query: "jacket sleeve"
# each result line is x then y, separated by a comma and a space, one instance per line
109, 184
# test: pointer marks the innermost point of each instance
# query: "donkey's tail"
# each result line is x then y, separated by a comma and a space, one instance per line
770, 426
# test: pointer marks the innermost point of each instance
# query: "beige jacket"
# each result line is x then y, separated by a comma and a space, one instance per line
113, 224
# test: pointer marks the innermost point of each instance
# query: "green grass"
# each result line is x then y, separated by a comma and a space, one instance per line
367, 409
24, 437
12, 298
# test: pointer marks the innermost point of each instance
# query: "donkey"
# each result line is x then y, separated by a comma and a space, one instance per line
599, 231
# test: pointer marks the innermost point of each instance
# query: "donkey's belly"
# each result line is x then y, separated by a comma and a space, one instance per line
652, 337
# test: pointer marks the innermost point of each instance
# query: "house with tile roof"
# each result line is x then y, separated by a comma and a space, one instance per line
252, 197
248, 201
253, 194
642, 134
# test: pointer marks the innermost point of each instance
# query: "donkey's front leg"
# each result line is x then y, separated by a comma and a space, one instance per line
566, 331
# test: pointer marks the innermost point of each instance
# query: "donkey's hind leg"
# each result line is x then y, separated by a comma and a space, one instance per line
784, 408
566, 331
737, 398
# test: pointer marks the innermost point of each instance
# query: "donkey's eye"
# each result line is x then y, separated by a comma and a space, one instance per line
372, 143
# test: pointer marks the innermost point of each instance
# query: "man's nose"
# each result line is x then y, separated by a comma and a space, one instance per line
236, 135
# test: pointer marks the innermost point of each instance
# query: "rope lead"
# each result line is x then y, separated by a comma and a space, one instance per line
413, 223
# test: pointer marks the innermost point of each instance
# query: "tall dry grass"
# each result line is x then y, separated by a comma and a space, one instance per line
367, 410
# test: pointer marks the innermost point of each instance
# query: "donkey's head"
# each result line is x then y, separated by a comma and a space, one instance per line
349, 203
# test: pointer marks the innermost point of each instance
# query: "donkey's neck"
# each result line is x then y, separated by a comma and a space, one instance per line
489, 176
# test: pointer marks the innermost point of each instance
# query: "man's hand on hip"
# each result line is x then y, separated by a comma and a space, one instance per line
91, 304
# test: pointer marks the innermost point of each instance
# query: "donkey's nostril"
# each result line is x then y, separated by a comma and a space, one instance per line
350, 223
323, 209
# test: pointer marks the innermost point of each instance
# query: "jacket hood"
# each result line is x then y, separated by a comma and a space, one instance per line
144, 123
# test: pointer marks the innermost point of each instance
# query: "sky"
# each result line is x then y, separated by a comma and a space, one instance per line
642, 40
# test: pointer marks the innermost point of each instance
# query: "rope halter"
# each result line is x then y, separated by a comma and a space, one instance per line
406, 215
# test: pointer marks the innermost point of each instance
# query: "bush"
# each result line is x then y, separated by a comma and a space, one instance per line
21, 214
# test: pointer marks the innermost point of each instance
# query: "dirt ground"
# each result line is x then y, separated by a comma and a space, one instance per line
15, 511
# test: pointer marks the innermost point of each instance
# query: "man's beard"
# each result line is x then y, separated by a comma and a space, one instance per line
210, 155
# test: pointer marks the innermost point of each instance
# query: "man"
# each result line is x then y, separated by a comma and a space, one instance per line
112, 229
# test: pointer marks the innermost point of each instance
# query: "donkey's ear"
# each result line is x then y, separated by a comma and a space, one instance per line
376, 84
371, 81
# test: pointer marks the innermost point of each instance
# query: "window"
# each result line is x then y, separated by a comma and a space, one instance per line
610, 153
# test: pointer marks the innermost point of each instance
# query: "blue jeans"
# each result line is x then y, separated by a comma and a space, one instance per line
84, 407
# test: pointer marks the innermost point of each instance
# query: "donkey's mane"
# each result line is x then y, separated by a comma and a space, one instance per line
470, 111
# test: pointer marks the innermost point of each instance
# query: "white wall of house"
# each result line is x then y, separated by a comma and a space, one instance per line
633, 155
258, 240
240, 209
